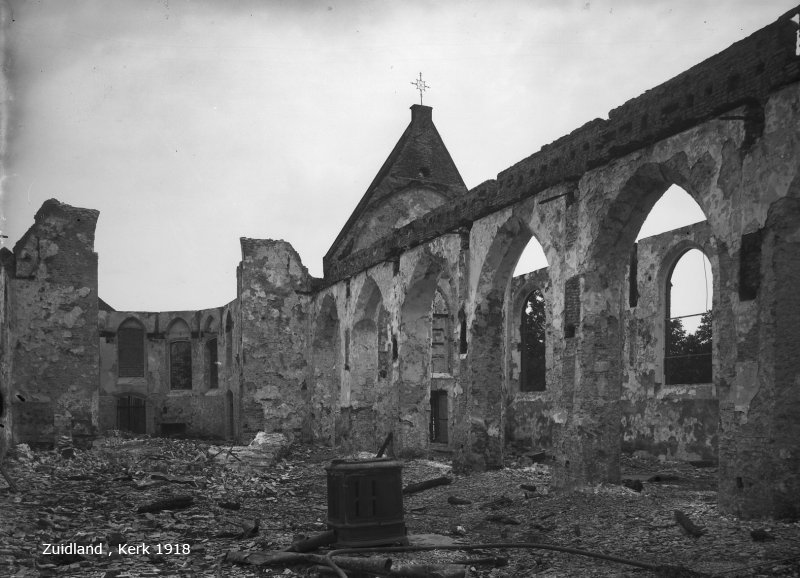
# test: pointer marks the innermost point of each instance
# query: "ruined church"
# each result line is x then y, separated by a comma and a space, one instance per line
419, 327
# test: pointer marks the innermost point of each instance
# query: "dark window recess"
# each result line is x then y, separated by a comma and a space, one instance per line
131, 414
228, 341
633, 277
532, 343
750, 266
439, 410
347, 350
572, 305
180, 365
462, 346
173, 429
130, 351
229, 414
394, 348
212, 364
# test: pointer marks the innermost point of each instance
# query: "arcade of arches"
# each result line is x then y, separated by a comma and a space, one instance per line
420, 328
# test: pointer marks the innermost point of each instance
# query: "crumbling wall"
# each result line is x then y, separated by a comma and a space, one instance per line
205, 409
55, 346
422, 272
760, 412
745, 73
665, 421
274, 297
371, 359
6, 415
325, 368
529, 414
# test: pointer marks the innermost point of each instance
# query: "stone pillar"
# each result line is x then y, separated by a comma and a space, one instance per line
587, 445
759, 448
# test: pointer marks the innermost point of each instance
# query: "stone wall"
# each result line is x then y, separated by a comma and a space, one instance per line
667, 421
274, 296
53, 299
746, 73
529, 416
6, 415
207, 408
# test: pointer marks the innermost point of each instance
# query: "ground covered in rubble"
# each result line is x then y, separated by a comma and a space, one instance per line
223, 500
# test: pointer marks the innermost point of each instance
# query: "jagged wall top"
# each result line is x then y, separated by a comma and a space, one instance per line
743, 74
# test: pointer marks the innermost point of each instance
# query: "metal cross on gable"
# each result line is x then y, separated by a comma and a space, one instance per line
421, 86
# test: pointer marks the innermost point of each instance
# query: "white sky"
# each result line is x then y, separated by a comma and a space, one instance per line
189, 124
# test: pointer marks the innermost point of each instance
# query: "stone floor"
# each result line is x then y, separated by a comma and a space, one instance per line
97, 498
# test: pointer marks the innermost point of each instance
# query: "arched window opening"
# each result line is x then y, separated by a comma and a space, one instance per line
180, 356
130, 349
131, 414
531, 259
674, 209
532, 343
688, 339
441, 335
212, 364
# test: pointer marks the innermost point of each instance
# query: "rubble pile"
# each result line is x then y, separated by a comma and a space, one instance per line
169, 507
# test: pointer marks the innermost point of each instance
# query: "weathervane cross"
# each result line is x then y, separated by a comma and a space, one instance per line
421, 86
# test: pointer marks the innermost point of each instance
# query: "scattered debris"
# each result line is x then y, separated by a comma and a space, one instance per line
761, 535
458, 501
498, 503
635, 485
502, 519
173, 503
312, 543
688, 525
661, 478
92, 498
427, 484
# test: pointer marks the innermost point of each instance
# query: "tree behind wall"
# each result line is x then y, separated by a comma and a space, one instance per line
532, 353
688, 358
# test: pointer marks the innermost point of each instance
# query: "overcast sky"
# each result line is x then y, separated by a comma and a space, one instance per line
189, 124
